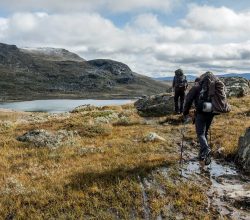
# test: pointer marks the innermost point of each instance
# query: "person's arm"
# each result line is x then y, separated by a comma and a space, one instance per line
173, 85
189, 99
186, 84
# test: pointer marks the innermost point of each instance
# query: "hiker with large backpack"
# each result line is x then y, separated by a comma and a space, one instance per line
180, 85
209, 97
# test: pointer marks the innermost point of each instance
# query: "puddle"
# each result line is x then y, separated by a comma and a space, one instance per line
215, 169
146, 209
229, 189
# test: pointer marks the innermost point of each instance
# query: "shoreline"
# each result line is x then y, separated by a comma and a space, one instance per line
58, 105
39, 98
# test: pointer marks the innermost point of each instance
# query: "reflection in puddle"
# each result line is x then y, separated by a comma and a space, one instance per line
215, 169
229, 189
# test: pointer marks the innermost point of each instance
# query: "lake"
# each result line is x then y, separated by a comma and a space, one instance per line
59, 105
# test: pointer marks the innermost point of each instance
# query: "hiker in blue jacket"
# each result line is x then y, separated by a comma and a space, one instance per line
179, 85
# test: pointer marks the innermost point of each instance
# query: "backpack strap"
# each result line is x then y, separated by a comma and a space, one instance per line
212, 88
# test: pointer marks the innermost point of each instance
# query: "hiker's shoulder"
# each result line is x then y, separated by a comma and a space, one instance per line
194, 91
196, 88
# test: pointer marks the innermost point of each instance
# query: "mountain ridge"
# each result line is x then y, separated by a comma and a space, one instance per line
27, 75
192, 77
50, 53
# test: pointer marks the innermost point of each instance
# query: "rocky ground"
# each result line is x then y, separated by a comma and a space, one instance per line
111, 163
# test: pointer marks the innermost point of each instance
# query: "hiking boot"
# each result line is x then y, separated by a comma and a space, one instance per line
201, 155
207, 158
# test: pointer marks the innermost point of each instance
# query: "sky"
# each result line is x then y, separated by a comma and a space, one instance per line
153, 37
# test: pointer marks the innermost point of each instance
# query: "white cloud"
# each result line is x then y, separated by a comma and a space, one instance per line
220, 24
197, 44
216, 19
90, 5
128, 5
3, 26
61, 30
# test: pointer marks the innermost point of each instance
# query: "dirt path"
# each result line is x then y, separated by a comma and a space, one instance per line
226, 188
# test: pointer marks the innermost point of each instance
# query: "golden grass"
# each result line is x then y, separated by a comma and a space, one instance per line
70, 183
41, 183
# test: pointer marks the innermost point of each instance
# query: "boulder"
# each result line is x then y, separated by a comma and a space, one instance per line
43, 138
153, 137
243, 154
156, 105
236, 86
84, 108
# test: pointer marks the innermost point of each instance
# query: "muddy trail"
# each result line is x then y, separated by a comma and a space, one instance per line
227, 189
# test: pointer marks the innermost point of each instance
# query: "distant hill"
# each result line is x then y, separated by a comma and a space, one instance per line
192, 77
35, 73
170, 78
244, 75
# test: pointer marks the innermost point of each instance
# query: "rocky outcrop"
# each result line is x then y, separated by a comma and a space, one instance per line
43, 138
156, 105
116, 68
236, 86
243, 155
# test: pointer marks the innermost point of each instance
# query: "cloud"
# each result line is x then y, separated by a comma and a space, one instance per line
145, 43
68, 30
216, 19
3, 26
128, 5
220, 24
89, 5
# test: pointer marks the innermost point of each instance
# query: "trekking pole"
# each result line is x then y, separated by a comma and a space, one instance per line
181, 150
210, 137
182, 145
182, 142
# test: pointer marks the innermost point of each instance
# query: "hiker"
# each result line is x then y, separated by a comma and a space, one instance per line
180, 85
209, 97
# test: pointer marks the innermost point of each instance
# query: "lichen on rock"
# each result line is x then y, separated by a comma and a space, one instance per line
236, 86
156, 105
43, 138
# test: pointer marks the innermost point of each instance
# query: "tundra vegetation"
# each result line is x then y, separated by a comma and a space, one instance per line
105, 165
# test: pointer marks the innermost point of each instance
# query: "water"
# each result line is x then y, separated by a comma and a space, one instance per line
59, 105
227, 187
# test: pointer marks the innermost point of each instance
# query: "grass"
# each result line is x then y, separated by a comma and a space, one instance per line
101, 176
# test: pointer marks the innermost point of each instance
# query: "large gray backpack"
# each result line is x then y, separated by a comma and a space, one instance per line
214, 92
180, 79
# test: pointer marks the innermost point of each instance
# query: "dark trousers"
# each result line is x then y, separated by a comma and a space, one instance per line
202, 124
179, 94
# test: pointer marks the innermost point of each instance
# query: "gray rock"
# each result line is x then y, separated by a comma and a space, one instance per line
153, 137
83, 108
116, 68
236, 86
43, 138
156, 105
243, 154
